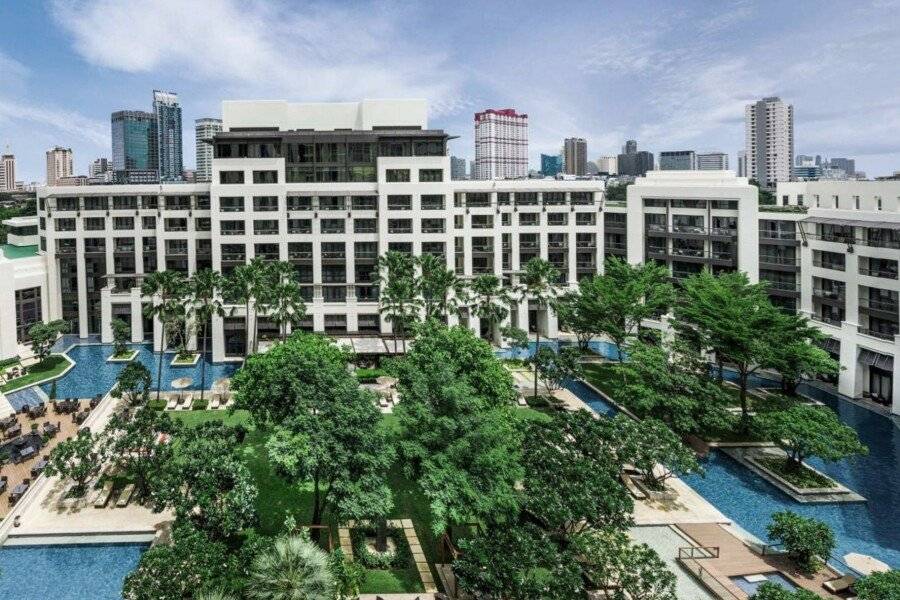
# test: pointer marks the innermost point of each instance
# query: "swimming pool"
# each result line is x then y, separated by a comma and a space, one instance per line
92, 374
67, 572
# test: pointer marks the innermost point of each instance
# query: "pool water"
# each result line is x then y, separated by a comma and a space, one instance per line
92, 374
67, 572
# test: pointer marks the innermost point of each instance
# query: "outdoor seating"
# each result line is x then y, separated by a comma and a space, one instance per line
96, 400
37, 411
103, 495
7, 422
125, 496
39, 467
4, 482
80, 417
49, 429
13, 431
840, 585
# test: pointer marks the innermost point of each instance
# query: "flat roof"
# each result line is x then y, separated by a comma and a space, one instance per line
22, 221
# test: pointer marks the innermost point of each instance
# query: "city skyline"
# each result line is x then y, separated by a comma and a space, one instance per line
622, 87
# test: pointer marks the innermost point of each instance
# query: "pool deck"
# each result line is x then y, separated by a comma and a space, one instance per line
735, 558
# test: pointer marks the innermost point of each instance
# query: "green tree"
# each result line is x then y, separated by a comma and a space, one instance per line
206, 483
554, 368
797, 354
807, 541
671, 383
878, 586
243, 285
517, 562
348, 576
167, 290
133, 384
623, 297
399, 298
206, 289
574, 310
490, 302
459, 438
275, 385
733, 318
441, 288
572, 468
76, 458
625, 571
617, 193
803, 431
294, 569
766, 197
43, 336
773, 591
121, 332
516, 338
214, 595
133, 445
286, 304
538, 284
654, 450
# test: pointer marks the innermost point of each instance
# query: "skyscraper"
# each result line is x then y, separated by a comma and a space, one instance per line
457, 168
634, 163
167, 122
741, 163
575, 156
100, 171
678, 160
608, 165
133, 146
205, 130
769, 128
712, 161
7, 173
501, 144
630, 147
848, 165
59, 164
551, 165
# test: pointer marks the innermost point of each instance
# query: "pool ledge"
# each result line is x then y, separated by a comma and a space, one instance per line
68, 538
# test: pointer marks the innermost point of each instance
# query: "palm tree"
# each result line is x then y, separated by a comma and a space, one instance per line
206, 286
491, 301
294, 569
437, 283
399, 297
167, 290
241, 285
538, 282
287, 306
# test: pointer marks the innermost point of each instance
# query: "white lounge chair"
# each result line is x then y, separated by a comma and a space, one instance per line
839, 585
172, 404
103, 495
214, 402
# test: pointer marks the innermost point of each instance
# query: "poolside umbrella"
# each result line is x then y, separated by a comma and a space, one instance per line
182, 382
865, 564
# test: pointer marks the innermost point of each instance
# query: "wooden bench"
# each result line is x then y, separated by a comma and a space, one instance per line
125, 496
103, 495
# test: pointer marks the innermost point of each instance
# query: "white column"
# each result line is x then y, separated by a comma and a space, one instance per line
849, 379
106, 335
137, 316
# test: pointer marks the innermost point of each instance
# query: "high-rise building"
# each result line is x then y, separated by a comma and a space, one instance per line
632, 162
59, 164
205, 130
7, 173
100, 171
551, 165
848, 165
457, 168
167, 121
803, 159
678, 160
712, 161
134, 147
630, 147
741, 163
501, 144
575, 156
608, 165
769, 130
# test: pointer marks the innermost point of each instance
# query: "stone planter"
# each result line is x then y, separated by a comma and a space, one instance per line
125, 359
666, 494
176, 362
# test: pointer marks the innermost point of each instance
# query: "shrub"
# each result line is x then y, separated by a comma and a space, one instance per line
52, 394
399, 559
807, 541
199, 404
369, 375
879, 586
159, 404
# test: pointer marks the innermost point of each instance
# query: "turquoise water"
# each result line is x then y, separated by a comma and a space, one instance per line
66, 572
93, 375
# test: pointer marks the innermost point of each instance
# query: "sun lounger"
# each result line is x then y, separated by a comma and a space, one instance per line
187, 401
125, 496
382, 402
520, 400
172, 403
214, 402
103, 495
633, 489
839, 585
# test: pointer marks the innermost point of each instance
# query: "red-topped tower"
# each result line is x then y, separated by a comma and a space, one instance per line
501, 144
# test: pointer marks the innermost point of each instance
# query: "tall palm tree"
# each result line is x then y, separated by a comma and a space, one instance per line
265, 276
491, 301
538, 282
442, 290
294, 569
241, 285
167, 290
399, 297
286, 306
206, 302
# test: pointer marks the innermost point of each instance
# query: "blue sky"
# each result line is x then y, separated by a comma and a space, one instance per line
673, 75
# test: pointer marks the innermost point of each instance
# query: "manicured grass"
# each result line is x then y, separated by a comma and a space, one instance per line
124, 355
52, 366
802, 478
9, 361
391, 581
192, 418
607, 377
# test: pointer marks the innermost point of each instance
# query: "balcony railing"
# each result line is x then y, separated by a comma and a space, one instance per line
767, 234
695, 252
334, 254
828, 294
826, 319
882, 335
688, 229
787, 286
300, 254
777, 260
824, 264
433, 229
233, 257
233, 232
882, 305
882, 273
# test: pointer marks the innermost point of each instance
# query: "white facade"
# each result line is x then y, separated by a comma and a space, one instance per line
501, 144
205, 129
608, 164
59, 164
713, 161
323, 116
769, 146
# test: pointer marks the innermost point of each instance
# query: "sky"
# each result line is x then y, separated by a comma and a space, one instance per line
672, 75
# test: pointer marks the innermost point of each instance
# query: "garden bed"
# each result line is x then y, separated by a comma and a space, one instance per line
187, 359
123, 357
392, 572
53, 366
802, 478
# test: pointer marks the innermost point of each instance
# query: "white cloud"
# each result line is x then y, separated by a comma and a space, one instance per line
75, 125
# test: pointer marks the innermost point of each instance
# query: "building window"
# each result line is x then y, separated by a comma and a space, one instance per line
331, 225
265, 227
265, 203
28, 311
176, 224
506, 219
123, 223
232, 227
431, 175
397, 202
299, 225
231, 204
94, 203
64, 224
432, 201
332, 203
365, 225
396, 175
399, 225
148, 222
231, 177
528, 219
94, 224
265, 176
299, 203
364, 202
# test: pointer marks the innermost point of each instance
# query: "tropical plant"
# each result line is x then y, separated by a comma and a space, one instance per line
206, 289
121, 332
574, 316
878, 586
538, 285
655, 451
490, 302
555, 368
167, 290
76, 458
243, 285
797, 354
294, 569
399, 298
133, 384
43, 336
133, 445
773, 591
348, 576
809, 542
441, 288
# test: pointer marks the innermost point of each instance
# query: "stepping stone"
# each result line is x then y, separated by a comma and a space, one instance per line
407, 523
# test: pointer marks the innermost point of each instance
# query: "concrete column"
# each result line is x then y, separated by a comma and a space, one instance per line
850, 377
137, 316
106, 335
82, 289
217, 328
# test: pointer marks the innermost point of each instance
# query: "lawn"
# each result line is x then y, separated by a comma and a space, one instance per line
801, 478
52, 366
606, 377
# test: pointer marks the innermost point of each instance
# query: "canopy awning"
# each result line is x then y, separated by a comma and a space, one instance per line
876, 359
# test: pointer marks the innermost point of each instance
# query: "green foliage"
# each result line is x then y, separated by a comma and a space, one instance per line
516, 338
368, 375
655, 451
802, 477
294, 568
797, 354
460, 440
441, 288
803, 431
773, 591
121, 332
52, 366
199, 404
77, 458
283, 298
245, 285
554, 368
766, 197
43, 335
347, 576
133, 384
616, 193
490, 301
627, 571
132, 445
809, 542
670, 383
879, 586
168, 289
573, 309
399, 298
400, 558
517, 562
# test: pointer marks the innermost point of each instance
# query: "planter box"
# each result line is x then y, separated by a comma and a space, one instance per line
667, 494
131, 356
176, 362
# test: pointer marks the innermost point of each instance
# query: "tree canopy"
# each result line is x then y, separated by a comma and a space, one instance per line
809, 542
43, 336
803, 431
